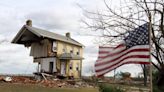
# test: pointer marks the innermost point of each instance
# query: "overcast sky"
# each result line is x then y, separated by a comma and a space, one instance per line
59, 16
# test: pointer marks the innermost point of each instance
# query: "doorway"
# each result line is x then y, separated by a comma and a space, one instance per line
63, 68
51, 66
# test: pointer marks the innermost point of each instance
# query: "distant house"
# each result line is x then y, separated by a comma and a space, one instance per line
54, 53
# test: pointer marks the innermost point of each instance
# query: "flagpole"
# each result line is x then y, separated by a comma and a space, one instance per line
150, 66
114, 75
151, 79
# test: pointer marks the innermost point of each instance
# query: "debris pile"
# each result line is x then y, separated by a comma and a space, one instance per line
54, 83
22, 79
46, 83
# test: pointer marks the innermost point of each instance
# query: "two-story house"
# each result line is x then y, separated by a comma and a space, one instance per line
54, 53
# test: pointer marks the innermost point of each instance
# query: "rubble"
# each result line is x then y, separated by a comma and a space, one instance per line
7, 79
46, 83
1, 78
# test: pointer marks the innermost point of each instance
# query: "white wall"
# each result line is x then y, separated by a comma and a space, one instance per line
45, 64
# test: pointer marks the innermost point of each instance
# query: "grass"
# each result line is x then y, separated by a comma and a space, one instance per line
6, 87
107, 88
126, 88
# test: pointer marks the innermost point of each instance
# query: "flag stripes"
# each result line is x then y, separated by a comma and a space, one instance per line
130, 61
138, 54
134, 49
103, 51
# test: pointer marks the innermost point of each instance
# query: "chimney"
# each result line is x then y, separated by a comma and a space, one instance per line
68, 35
29, 23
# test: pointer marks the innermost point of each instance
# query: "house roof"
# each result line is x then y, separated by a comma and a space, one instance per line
44, 34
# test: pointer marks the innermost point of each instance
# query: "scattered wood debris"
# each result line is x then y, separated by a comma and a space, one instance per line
46, 82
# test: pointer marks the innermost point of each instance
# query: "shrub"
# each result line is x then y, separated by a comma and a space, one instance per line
107, 88
156, 89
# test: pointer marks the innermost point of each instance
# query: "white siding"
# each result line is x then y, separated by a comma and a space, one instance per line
45, 64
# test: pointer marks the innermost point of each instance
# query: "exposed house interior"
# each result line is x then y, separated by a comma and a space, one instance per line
55, 54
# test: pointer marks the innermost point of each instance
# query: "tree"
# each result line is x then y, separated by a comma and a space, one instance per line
145, 71
115, 22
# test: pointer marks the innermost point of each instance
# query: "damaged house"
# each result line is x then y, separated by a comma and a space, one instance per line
54, 53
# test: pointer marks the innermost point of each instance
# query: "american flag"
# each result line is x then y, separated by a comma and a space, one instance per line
134, 49
103, 51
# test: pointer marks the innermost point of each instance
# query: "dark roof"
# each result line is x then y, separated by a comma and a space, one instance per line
45, 34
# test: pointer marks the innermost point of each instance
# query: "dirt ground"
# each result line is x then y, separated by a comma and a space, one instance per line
29, 84
16, 87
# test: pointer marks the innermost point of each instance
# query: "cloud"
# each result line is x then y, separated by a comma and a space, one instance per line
90, 54
55, 18
15, 59
60, 17
10, 22
88, 68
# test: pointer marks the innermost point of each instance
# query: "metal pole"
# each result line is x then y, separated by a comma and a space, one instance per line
151, 83
151, 79
114, 75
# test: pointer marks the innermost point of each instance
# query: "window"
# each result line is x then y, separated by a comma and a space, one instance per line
54, 46
78, 52
77, 66
70, 65
64, 51
64, 48
72, 49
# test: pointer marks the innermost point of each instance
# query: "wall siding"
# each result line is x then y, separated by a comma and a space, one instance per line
45, 64
60, 46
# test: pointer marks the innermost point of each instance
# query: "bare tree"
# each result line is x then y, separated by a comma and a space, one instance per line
115, 22
145, 70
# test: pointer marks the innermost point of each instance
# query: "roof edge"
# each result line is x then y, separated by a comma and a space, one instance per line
18, 34
21, 31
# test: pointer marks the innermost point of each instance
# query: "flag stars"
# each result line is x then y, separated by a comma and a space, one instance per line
137, 37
